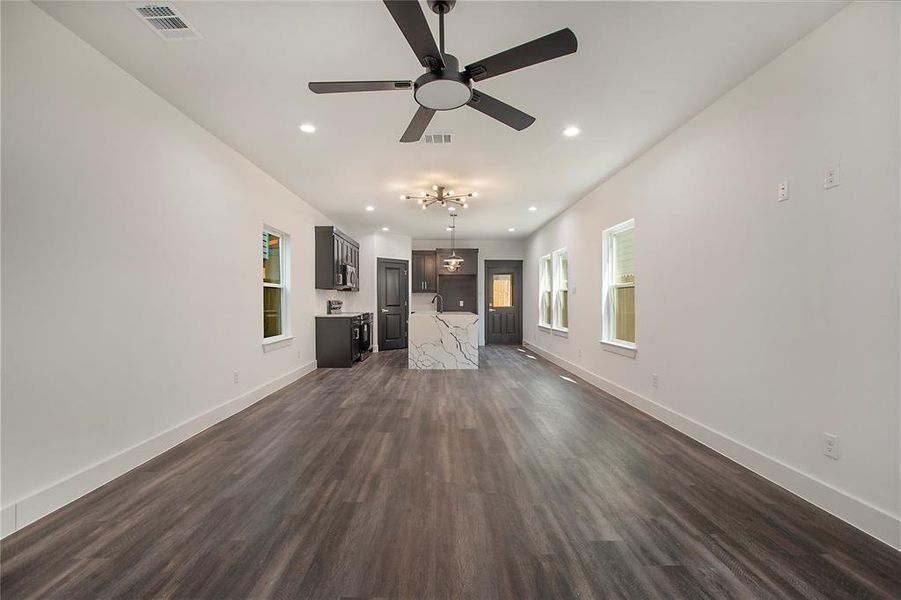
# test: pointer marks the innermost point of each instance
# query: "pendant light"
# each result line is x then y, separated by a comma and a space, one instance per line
454, 261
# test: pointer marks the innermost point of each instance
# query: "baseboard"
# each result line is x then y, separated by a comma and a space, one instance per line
26, 510
864, 516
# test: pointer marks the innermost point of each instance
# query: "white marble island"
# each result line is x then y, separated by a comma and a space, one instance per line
448, 340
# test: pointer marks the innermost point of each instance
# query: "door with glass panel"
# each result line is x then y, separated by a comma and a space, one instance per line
503, 302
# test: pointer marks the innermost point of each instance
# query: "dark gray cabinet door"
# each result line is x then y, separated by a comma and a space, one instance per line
392, 290
424, 273
503, 302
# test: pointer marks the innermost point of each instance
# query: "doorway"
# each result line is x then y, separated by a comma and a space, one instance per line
393, 291
503, 302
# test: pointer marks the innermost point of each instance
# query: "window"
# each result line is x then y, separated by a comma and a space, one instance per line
275, 285
544, 290
619, 285
502, 290
561, 290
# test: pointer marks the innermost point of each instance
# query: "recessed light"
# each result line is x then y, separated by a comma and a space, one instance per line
511, 229
572, 131
307, 128
449, 229
385, 229
533, 208
370, 208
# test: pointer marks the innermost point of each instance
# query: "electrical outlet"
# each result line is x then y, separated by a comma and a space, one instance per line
830, 448
654, 380
236, 376
782, 192
461, 303
832, 177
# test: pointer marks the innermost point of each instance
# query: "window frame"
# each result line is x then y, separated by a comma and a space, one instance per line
610, 286
284, 284
545, 276
556, 288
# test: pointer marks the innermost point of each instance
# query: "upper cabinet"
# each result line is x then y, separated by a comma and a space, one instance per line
337, 260
470, 264
425, 271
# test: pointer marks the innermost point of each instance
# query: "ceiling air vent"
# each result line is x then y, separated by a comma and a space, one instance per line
437, 138
166, 21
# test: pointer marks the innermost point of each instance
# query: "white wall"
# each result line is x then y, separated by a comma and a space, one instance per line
130, 271
767, 323
488, 250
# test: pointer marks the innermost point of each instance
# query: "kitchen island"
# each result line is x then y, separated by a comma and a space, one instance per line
447, 340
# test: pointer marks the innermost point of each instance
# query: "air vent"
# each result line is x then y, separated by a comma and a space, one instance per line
437, 138
166, 21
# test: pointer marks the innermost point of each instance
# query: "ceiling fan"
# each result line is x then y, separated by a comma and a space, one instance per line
443, 86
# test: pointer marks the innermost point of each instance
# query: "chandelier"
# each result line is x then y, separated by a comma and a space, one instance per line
441, 195
454, 261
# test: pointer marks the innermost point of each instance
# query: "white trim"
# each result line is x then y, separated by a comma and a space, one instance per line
276, 342
607, 272
859, 513
284, 284
621, 348
26, 510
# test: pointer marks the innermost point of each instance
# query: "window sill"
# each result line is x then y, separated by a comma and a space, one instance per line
274, 343
545, 328
560, 331
627, 350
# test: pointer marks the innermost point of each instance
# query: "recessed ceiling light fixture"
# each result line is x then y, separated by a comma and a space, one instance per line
307, 128
511, 229
572, 131
370, 208
533, 208
385, 229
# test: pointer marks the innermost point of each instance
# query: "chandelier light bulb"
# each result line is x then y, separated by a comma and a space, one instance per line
450, 193
465, 206
403, 197
435, 188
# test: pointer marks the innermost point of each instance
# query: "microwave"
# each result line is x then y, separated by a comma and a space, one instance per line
347, 277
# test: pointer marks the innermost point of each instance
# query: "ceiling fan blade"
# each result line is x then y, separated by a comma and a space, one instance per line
501, 111
334, 87
411, 21
553, 45
417, 126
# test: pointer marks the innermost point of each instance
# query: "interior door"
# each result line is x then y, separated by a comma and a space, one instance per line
503, 302
393, 290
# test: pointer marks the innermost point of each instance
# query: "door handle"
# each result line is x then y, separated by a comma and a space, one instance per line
490, 310
384, 310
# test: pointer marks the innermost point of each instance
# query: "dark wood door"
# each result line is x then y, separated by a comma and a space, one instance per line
503, 302
393, 290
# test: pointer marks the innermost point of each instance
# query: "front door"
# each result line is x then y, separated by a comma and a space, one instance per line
393, 290
503, 301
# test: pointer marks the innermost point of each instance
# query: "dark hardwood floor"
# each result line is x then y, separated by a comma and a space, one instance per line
507, 482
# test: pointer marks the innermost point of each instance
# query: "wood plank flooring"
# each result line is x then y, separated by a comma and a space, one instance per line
506, 482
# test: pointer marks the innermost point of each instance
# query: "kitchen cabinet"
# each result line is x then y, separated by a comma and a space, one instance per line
337, 260
470, 264
425, 271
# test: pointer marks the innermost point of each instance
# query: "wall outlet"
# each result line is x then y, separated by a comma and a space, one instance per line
461, 303
782, 191
830, 448
654, 380
236, 376
832, 177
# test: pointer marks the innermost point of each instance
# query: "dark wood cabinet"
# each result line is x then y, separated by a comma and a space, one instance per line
337, 260
470, 264
425, 271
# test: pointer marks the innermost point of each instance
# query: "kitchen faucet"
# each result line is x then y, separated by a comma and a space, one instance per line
439, 305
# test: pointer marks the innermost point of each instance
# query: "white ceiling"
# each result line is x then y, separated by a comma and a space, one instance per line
642, 70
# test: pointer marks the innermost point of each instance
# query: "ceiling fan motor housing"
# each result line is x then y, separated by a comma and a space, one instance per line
444, 89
